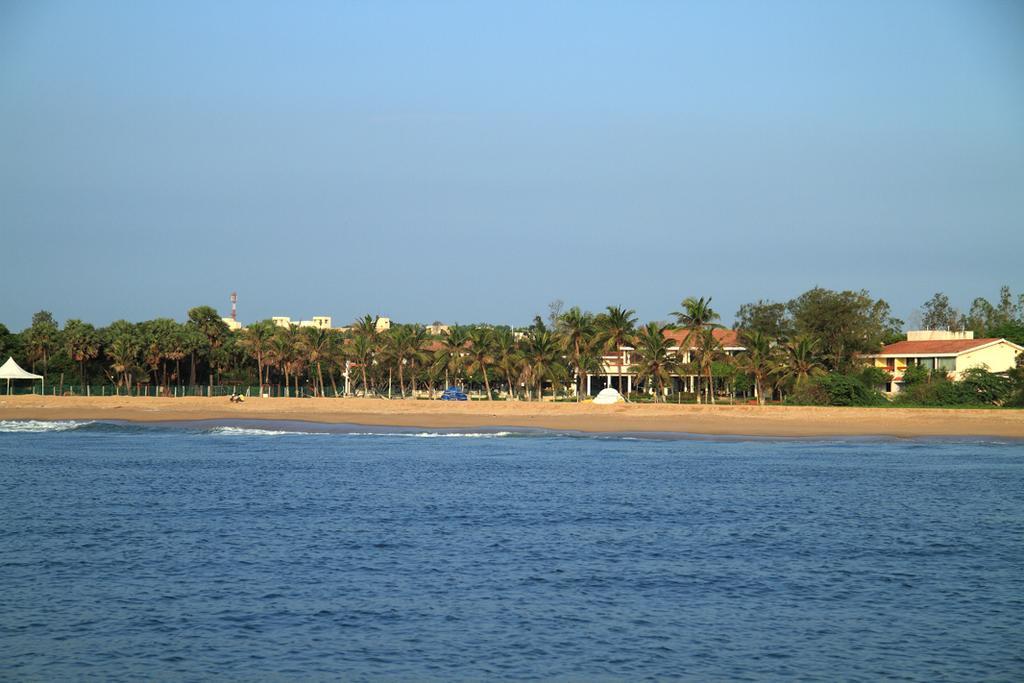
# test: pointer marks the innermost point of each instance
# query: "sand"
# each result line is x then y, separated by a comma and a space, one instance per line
739, 420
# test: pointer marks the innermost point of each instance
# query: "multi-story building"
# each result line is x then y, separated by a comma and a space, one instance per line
954, 352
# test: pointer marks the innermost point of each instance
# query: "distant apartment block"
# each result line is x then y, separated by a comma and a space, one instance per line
320, 322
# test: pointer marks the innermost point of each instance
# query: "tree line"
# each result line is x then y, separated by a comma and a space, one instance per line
808, 349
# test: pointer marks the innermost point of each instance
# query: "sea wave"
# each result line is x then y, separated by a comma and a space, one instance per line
435, 435
250, 431
256, 431
40, 425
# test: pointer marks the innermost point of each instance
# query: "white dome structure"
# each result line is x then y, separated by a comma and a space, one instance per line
608, 397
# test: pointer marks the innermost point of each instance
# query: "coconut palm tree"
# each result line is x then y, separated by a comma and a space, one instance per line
416, 354
577, 331
403, 345
800, 361
361, 351
314, 345
760, 360
451, 357
652, 360
614, 330
697, 317
710, 350
507, 359
285, 352
481, 340
256, 340
542, 355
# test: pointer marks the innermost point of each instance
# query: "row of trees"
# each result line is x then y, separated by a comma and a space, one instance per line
788, 345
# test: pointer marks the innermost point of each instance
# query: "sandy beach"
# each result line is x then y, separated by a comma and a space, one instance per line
745, 420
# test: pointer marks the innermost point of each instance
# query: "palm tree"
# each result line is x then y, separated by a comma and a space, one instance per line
708, 351
42, 339
541, 354
480, 343
177, 348
284, 350
615, 330
81, 343
507, 358
696, 317
416, 354
362, 351
366, 326
123, 353
208, 322
256, 340
652, 360
759, 360
314, 344
577, 330
404, 346
451, 357
801, 361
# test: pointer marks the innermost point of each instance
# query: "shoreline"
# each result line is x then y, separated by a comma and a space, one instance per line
709, 420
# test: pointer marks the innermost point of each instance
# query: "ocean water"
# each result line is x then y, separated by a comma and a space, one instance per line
251, 551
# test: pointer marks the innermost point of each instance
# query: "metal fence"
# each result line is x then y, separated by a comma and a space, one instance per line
251, 390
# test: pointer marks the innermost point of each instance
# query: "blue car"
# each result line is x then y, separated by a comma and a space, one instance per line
454, 394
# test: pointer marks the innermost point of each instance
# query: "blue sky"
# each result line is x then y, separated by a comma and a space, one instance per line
468, 161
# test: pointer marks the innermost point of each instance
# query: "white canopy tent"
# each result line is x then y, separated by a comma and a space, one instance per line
11, 370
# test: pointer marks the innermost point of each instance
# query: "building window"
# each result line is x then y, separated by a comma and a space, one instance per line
947, 364
926, 363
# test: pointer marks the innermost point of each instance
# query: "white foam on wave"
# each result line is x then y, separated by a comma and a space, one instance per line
434, 435
249, 431
256, 431
40, 425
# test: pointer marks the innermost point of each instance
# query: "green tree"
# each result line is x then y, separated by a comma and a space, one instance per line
577, 330
760, 360
541, 360
314, 343
450, 358
653, 362
481, 341
82, 344
699, 320
42, 339
256, 340
767, 317
846, 324
938, 314
361, 351
614, 330
800, 361
507, 359
206, 320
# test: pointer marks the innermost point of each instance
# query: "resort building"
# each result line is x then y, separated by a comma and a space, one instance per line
383, 324
320, 322
615, 368
437, 329
232, 324
954, 352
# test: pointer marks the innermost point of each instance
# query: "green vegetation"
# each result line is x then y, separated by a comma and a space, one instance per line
804, 351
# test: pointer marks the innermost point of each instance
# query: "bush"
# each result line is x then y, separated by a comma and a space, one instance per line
838, 390
977, 388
